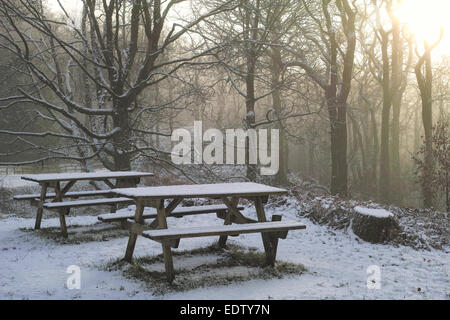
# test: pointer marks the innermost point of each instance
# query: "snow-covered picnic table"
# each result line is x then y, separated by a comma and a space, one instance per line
55, 180
78, 176
228, 193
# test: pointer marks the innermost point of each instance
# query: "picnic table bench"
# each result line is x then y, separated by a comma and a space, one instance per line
178, 212
56, 203
73, 194
228, 193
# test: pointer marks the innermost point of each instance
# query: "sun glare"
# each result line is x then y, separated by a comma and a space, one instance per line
425, 18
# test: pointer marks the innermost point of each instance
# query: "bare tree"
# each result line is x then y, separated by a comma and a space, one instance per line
425, 82
246, 36
118, 60
336, 86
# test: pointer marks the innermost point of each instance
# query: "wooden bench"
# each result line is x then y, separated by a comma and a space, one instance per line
224, 230
63, 208
34, 197
178, 212
272, 231
85, 203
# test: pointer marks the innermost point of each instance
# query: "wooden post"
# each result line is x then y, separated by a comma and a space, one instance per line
62, 221
237, 216
133, 237
274, 239
58, 195
63, 212
40, 209
268, 248
223, 239
170, 207
167, 252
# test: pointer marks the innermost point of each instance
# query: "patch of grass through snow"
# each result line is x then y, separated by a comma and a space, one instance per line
204, 267
80, 233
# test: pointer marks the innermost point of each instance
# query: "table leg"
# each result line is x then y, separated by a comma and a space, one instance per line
40, 209
59, 194
223, 239
268, 245
170, 207
274, 238
168, 262
133, 236
167, 251
237, 216
62, 222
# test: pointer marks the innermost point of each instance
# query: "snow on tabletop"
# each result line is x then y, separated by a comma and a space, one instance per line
378, 213
84, 175
237, 188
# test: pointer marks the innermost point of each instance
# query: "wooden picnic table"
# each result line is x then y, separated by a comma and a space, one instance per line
55, 180
228, 193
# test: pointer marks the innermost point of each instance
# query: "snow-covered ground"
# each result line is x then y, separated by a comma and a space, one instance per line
32, 267
14, 181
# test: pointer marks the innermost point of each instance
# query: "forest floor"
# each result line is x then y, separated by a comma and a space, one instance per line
324, 261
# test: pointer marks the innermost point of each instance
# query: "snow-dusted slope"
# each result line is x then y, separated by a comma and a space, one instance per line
35, 268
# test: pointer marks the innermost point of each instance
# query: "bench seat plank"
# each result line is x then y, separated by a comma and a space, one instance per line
71, 194
86, 203
225, 230
177, 212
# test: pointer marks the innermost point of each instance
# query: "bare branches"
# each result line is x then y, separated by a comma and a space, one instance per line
119, 50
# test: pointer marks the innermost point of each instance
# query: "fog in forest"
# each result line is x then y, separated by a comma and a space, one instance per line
359, 90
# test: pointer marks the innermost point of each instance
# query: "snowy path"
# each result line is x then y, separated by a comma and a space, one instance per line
35, 268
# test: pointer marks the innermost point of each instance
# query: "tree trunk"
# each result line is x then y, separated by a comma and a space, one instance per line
428, 130
250, 36
341, 152
250, 116
395, 150
281, 177
425, 87
385, 172
338, 138
375, 151
122, 145
399, 83
311, 160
